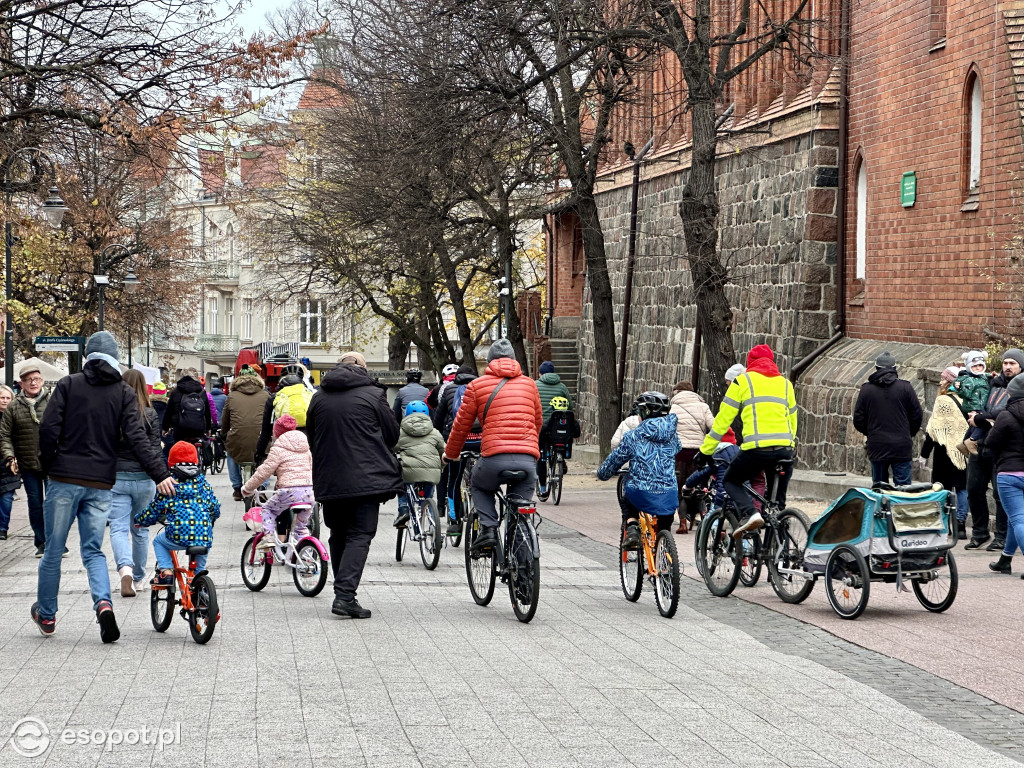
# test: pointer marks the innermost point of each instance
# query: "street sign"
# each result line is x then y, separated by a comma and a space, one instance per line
908, 189
59, 343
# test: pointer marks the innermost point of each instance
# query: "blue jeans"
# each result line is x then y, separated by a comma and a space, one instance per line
66, 503
403, 500
33, 484
162, 546
235, 473
900, 472
1011, 491
6, 502
130, 495
962, 507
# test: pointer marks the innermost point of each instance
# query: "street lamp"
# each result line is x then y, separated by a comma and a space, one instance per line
103, 279
26, 162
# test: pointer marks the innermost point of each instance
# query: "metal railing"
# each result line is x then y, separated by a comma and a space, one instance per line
220, 270
216, 342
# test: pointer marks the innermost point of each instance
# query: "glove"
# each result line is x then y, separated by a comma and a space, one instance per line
701, 460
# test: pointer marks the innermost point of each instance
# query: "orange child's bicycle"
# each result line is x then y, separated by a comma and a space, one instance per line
198, 599
657, 558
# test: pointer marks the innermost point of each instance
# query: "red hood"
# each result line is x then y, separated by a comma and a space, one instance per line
761, 360
504, 367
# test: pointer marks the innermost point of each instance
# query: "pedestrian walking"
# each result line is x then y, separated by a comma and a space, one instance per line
188, 416
218, 397
19, 443
889, 414
241, 422
88, 415
693, 422
133, 490
9, 481
1005, 443
942, 434
352, 433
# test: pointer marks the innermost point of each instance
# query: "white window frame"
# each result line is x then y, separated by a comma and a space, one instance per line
229, 315
311, 318
247, 319
862, 221
974, 140
212, 302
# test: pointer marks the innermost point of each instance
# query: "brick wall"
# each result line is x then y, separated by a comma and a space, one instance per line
567, 271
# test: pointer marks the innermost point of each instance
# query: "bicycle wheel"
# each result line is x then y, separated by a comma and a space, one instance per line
255, 566
219, 458
787, 553
555, 479
400, 543
750, 562
161, 608
938, 593
314, 520
631, 570
203, 617
480, 570
696, 548
431, 540
847, 581
718, 553
523, 571
310, 571
666, 575
620, 488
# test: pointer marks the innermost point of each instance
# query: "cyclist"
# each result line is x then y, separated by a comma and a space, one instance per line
292, 397
421, 448
451, 476
550, 386
507, 404
448, 374
410, 393
651, 451
765, 400
560, 428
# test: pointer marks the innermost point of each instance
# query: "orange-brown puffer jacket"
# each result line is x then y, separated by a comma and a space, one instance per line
514, 420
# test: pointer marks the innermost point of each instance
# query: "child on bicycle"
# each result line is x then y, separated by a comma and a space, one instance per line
651, 451
292, 463
421, 448
188, 515
725, 452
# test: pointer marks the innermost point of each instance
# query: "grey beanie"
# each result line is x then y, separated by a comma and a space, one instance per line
103, 343
1016, 355
1016, 387
500, 348
885, 360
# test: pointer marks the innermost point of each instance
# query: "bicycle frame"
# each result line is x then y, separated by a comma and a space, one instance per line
507, 518
414, 496
184, 576
648, 539
284, 553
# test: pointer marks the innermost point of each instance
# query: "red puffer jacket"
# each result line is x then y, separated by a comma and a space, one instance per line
514, 419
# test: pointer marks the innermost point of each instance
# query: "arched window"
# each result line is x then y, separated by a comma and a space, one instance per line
862, 221
972, 135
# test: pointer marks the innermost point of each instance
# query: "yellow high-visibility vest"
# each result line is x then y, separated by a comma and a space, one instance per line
768, 408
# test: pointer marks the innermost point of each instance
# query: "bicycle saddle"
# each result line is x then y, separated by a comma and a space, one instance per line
509, 475
195, 551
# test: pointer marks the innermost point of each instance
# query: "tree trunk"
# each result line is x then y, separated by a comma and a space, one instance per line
398, 350
603, 318
506, 251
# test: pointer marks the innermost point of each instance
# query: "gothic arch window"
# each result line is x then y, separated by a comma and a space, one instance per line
861, 226
973, 135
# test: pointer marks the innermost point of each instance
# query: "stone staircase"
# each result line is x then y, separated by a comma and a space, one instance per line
566, 358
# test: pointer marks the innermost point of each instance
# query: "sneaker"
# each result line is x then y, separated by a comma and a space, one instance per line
3, 535
46, 626
486, 541
162, 581
631, 538
996, 545
350, 608
140, 585
454, 529
109, 633
402, 519
751, 523
267, 542
65, 552
39, 551
127, 582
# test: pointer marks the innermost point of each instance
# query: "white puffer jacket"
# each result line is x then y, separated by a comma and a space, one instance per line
628, 424
694, 418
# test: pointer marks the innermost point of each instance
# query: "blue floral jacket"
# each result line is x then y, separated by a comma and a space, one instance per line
188, 514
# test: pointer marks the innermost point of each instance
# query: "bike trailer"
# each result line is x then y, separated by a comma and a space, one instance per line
895, 530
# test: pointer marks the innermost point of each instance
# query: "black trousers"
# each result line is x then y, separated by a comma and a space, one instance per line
747, 466
353, 524
980, 472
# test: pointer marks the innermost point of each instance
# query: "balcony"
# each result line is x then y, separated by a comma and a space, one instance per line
217, 343
221, 271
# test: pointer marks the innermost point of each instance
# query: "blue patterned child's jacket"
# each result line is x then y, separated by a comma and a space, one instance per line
188, 514
651, 451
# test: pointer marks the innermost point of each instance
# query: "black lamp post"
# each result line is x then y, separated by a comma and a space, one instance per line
102, 279
19, 178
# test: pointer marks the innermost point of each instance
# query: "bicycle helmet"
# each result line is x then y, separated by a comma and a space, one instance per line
650, 405
413, 374
293, 370
560, 403
417, 406
450, 370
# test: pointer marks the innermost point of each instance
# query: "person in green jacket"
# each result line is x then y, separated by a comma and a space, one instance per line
549, 386
421, 449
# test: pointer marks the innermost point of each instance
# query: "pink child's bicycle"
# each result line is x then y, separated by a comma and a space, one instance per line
307, 556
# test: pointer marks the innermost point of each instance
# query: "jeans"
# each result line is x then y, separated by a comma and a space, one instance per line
162, 546
962, 506
403, 499
66, 503
6, 502
353, 524
485, 482
747, 466
130, 495
455, 473
34, 495
981, 472
1011, 489
900, 471
235, 473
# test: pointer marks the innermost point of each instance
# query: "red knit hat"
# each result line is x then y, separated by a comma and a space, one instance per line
182, 453
284, 424
729, 437
759, 352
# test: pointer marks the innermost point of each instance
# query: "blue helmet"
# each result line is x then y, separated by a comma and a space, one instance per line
417, 406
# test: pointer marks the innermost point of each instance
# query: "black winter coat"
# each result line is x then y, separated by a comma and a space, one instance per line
444, 415
889, 413
1005, 441
88, 415
352, 433
127, 461
994, 405
185, 385
944, 471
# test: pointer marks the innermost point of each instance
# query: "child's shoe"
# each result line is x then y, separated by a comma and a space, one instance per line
162, 580
267, 542
631, 538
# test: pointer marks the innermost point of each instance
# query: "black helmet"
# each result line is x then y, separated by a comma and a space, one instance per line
293, 370
414, 374
650, 405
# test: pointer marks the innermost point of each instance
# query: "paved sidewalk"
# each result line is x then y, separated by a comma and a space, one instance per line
432, 679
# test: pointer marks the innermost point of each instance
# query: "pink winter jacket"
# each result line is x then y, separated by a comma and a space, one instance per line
289, 459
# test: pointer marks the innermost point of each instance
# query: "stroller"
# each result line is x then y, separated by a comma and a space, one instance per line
886, 534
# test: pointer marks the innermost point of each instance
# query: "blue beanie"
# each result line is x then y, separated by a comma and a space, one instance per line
547, 367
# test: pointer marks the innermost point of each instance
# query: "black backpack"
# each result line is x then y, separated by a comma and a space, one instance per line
192, 412
562, 428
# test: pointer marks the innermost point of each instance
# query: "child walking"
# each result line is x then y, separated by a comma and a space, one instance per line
292, 463
188, 515
421, 448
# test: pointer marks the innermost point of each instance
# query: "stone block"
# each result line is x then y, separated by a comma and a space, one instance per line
810, 297
820, 200
821, 228
826, 177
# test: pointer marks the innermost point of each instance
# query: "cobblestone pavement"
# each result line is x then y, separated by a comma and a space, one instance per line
434, 679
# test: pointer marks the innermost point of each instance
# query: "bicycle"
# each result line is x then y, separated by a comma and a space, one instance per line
307, 557
198, 599
781, 548
554, 456
750, 567
204, 451
516, 557
425, 528
455, 515
656, 557
220, 454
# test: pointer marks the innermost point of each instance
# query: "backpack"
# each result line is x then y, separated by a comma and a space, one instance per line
192, 412
295, 404
562, 428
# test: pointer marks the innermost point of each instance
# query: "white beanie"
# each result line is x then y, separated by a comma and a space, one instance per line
974, 357
735, 372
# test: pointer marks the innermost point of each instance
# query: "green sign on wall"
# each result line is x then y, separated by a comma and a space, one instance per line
908, 189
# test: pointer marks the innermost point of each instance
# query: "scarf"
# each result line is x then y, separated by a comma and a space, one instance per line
947, 427
32, 404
